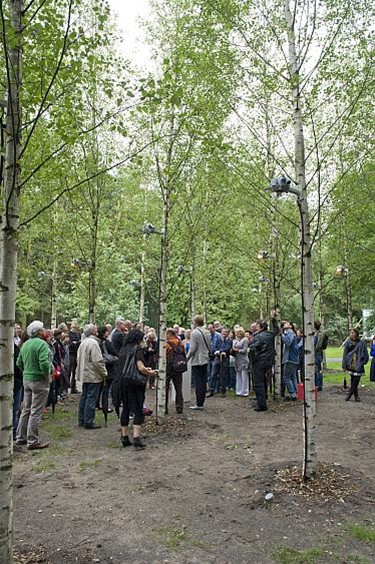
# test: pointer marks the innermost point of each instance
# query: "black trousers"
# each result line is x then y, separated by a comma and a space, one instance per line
260, 372
354, 383
199, 376
219, 376
176, 378
132, 402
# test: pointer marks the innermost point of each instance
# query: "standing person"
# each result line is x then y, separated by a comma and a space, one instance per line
118, 335
240, 346
129, 395
91, 372
17, 390
34, 361
318, 346
186, 341
58, 360
17, 335
291, 359
263, 352
215, 345
354, 358
110, 361
74, 342
174, 345
220, 368
372, 353
151, 354
199, 354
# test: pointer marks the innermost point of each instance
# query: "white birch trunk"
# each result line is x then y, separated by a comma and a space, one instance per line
8, 273
310, 455
143, 289
161, 403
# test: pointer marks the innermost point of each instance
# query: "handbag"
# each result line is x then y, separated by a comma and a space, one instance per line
109, 359
130, 372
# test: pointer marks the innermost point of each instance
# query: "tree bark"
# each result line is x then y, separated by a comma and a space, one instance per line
310, 455
8, 272
161, 403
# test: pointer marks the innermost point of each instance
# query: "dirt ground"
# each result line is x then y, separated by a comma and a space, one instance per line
197, 493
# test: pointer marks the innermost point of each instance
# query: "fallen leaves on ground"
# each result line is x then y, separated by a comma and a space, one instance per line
171, 423
330, 483
26, 556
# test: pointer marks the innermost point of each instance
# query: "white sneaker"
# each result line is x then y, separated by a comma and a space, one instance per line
196, 407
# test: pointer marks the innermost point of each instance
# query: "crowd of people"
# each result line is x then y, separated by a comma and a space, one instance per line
112, 366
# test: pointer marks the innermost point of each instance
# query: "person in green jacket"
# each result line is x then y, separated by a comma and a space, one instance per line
34, 360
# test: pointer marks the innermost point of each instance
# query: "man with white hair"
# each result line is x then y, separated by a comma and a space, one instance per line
34, 360
91, 372
118, 335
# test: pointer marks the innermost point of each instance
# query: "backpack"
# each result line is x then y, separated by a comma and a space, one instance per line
325, 342
177, 361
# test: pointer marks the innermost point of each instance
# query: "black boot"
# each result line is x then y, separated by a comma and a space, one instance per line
125, 441
138, 443
348, 396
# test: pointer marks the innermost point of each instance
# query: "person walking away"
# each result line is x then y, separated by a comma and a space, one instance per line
372, 354
354, 358
174, 350
199, 354
131, 396
35, 364
91, 372
263, 352
74, 342
291, 359
240, 346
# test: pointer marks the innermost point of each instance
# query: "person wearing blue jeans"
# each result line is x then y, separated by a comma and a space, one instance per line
87, 404
91, 372
291, 358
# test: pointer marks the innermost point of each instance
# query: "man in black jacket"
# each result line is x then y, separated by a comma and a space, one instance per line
263, 352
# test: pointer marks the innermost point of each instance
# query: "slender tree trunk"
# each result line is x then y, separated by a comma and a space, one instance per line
54, 290
8, 272
310, 455
161, 403
92, 292
143, 289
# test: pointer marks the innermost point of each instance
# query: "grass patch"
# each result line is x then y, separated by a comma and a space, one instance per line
89, 464
288, 555
113, 444
61, 414
172, 538
44, 466
361, 532
59, 432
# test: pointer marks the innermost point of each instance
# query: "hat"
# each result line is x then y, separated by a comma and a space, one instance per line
34, 328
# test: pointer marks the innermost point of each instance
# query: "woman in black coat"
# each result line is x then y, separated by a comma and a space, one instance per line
130, 396
354, 358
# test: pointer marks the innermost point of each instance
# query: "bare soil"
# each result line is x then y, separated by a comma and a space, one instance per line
197, 492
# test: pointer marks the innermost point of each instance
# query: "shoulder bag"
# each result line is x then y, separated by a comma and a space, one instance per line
130, 372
